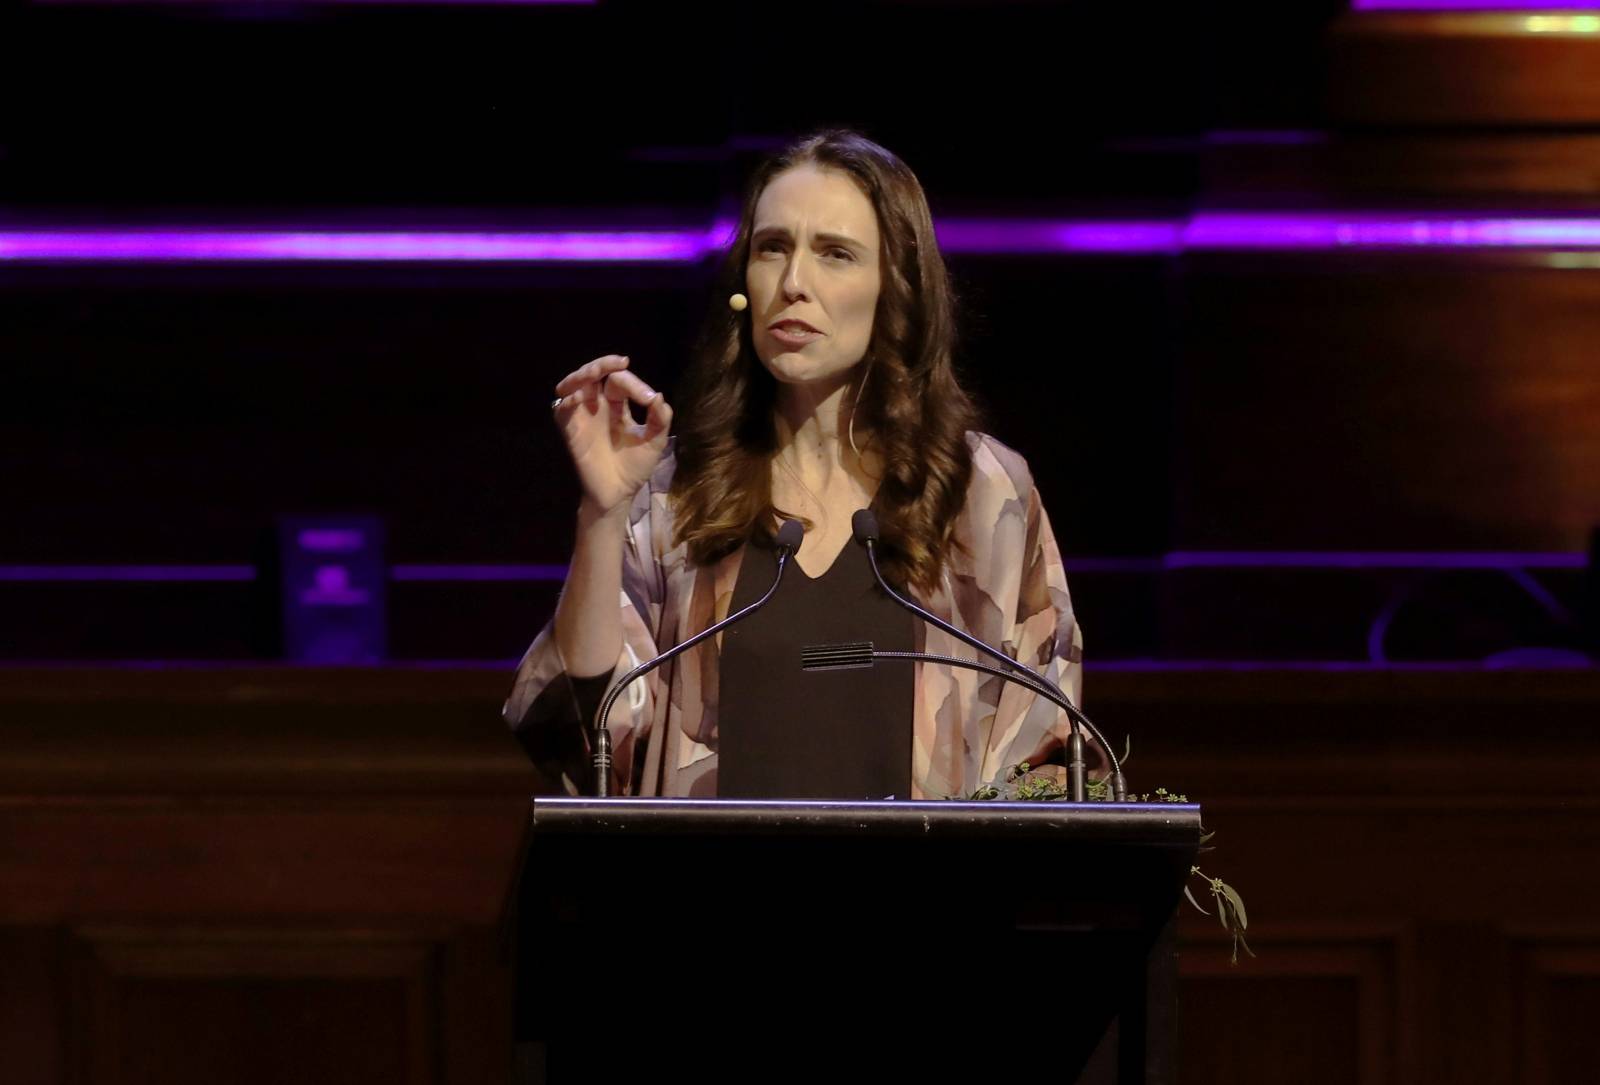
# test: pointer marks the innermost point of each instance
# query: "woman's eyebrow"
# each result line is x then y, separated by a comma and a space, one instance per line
839, 239
764, 232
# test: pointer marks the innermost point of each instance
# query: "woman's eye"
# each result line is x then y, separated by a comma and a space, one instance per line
842, 254
770, 246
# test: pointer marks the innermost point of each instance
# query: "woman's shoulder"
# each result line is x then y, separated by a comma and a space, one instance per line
997, 466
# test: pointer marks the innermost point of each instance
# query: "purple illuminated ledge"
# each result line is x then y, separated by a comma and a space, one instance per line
115, 246
1328, 559
1178, 559
1205, 231
1367, 559
1219, 230
1135, 665
312, 3
100, 574
1021, 236
1467, 5
458, 573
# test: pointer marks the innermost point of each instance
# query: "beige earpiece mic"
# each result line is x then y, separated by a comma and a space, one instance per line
738, 303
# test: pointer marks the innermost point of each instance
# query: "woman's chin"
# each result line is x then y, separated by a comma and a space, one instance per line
794, 367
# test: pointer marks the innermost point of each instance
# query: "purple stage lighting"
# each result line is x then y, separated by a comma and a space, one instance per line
433, 574
1223, 230
309, 3
1467, 5
105, 574
1020, 237
1204, 231
1369, 559
1177, 559
181, 246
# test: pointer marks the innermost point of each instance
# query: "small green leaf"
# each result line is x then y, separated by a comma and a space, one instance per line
1237, 902
1196, 903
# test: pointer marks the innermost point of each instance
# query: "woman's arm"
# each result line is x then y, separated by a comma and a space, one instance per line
614, 456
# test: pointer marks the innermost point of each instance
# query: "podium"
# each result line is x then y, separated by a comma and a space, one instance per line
755, 940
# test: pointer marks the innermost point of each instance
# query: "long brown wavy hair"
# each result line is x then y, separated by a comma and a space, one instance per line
911, 402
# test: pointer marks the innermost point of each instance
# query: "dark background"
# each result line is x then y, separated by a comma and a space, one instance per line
168, 415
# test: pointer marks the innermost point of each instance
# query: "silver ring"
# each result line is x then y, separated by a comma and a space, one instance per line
556, 405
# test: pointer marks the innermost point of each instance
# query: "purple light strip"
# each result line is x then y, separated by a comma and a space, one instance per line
1267, 137
1206, 231
1219, 230
1021, 237
302, 3
1355, 559
255, 663
1114, 565
1178, 559
436, 3
90, 574
179, 246
221, 573
1336, 666
1466, 5
456, 573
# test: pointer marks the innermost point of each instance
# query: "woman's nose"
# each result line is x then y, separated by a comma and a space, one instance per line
795, 277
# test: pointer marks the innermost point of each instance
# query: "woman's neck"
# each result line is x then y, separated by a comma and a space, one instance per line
808, 425
812, 427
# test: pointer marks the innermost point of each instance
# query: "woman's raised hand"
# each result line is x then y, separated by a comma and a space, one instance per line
614, 455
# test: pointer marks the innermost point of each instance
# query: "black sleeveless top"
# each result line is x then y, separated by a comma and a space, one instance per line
793, 734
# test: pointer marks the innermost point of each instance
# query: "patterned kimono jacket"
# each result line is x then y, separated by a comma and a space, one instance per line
1007, 587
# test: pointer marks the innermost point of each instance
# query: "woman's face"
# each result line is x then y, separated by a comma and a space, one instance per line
813, 276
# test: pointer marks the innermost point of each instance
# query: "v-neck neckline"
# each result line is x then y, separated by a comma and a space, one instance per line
837, 556
848, 542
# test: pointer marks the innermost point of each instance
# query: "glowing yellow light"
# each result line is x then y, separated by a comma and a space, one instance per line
1574, 261
1562, 24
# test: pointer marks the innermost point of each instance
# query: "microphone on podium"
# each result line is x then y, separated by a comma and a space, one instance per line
787, 541
862, 654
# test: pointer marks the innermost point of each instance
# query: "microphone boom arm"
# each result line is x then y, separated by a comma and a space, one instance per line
866, 530
788, 541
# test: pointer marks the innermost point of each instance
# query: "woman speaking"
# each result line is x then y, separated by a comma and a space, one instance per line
823, 384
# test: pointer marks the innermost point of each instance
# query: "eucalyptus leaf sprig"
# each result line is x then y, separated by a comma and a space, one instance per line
1229, 905
1022, 784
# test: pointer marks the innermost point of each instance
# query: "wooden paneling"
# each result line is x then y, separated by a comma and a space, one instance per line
1465, 68
256, 876
34, 1000
199, 862
1384, 403
1558, 981
1312, 1006
1385, 167
160, 1005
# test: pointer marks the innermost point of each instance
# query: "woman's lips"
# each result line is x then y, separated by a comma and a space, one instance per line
794, 334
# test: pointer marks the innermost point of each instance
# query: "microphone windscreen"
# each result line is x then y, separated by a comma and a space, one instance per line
790, 534
865, 524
